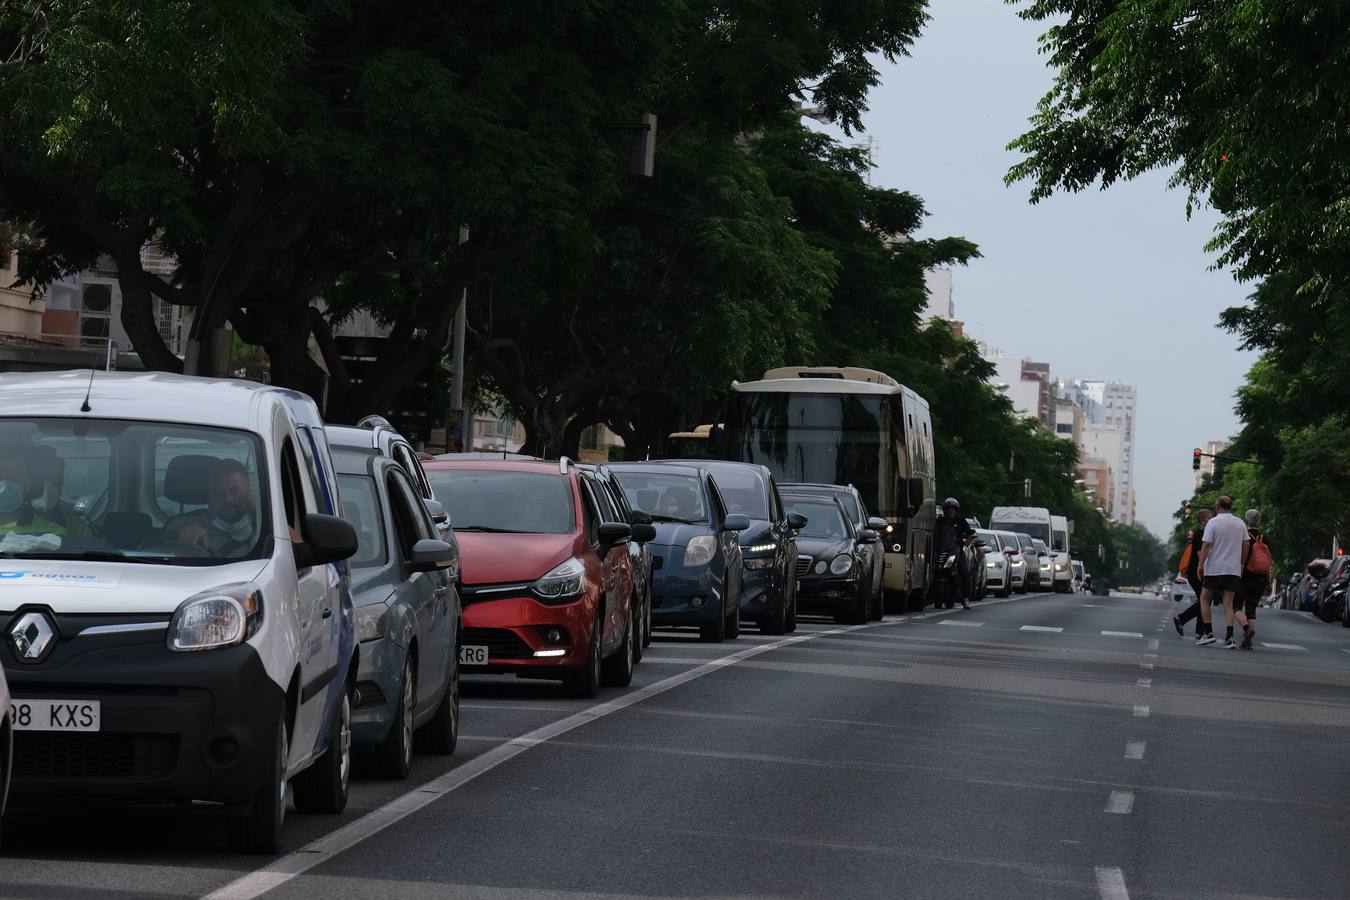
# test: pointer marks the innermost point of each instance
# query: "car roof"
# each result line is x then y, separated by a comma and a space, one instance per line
536, 466
653, 468
484, 454
140, 396
712, 465
356, 437
808, 487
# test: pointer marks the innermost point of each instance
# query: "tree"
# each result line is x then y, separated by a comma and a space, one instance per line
1142, 558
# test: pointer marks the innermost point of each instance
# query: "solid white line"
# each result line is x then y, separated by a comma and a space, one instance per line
1134, 749
1144, 682
1153, 644
1141, 712
1284, 646
317, 852
1040, 628
961, 622
1121, 634
1111, 884
1120, 803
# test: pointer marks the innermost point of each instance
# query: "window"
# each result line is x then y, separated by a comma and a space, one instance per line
603, 502
665, 497
590, 517
318, 488
505, 501
361, 507
410, 517
824, 519
292, 494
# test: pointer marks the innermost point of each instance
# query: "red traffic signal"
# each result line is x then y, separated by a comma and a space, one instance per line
1195, 459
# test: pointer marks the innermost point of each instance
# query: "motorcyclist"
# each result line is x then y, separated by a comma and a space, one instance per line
950, 535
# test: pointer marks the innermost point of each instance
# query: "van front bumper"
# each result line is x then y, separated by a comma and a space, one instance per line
174, 728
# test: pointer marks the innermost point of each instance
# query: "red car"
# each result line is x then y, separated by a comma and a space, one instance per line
547, 582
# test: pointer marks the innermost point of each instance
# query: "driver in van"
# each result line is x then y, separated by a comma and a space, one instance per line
227, 527
17, 515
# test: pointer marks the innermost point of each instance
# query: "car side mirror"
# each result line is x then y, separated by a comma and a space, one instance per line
638, 517
876, 523
612, 533
436, 510
430, 555
796, 521
868, 536
325, 539
644, 533
736, 522
916, 497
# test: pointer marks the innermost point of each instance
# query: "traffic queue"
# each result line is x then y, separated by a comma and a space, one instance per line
212, 599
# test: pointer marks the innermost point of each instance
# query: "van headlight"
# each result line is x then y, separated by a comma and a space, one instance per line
700, 550
841, 564
565, 583
371, 621
221, 617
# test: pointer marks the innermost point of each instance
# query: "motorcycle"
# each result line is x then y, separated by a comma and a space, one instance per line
947, 582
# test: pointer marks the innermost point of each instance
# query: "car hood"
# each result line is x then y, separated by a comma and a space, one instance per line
75, 586
822, 548
487, 558
758, 532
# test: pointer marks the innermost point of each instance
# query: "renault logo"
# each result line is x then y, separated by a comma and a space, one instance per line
33, 635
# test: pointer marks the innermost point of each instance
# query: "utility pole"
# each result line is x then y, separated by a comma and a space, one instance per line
458, 420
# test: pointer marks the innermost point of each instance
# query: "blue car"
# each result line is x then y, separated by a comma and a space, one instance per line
696, 556
405, 577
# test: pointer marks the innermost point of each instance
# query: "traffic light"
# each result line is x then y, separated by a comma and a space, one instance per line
1195, 459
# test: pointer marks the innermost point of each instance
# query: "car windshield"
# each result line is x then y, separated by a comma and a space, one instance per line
361, 507
666, 498
988, 537
742, 490
496, 500
823, 518
130, 491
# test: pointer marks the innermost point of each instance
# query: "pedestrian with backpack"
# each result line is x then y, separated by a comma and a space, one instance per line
1190, 563
1256, 577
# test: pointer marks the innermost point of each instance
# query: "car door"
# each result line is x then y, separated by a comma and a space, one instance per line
316, 609
729, 544
593, 515
429, 592
785, 556
617, 561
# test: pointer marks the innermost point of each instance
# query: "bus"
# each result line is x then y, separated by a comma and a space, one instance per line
846, 425
688, 444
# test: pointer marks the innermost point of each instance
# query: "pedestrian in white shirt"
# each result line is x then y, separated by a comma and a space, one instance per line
1221, 556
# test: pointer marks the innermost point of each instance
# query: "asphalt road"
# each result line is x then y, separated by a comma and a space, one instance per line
1043, 746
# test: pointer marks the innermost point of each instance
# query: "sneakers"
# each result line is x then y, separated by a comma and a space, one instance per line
1205, 639
1248, 634
1229, 645
1176, 623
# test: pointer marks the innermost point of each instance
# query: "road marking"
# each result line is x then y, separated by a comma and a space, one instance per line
1120, 803
1284, 646
1121, 634
1146, 665
1153, 643
1134, 749
1141, 712
959, 622
1046, 628
1111, 884
319, 851
1144, 682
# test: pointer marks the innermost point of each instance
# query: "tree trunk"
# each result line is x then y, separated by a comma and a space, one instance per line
138, 319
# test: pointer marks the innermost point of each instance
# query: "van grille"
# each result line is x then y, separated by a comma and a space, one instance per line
42, 755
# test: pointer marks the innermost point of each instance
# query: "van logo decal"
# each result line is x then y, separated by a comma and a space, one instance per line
29, 578
32, 635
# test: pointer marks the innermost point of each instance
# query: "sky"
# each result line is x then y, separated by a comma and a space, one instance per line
1110, 285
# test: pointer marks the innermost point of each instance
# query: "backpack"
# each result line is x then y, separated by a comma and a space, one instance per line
1185, 565
1258, 558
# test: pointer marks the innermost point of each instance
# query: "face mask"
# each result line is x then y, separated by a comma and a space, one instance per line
11, 497
49, 499
241, 530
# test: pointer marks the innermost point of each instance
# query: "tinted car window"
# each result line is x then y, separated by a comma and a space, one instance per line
494, 500
989, 538
743, 492
824, 519
665, 496
361, 507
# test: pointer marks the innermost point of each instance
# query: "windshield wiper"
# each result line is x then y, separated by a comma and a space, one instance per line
660, 518
488, 529
94, 556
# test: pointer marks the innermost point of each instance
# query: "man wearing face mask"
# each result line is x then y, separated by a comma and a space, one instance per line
44, 493
227, 528
17, 516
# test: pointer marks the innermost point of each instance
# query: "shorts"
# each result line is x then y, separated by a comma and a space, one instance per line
1224, 584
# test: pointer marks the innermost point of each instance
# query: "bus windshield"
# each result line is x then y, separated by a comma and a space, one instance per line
820, 438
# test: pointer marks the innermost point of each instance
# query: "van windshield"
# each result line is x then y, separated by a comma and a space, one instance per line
111, 490
1040, 530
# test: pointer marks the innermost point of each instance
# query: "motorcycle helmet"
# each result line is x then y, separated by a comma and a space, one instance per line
951, 503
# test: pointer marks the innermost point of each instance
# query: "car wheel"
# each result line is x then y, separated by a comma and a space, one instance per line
876, 607
324, 786
260, 829
641, 616
585, 681
734, 623
393, 757
790, 618
776, 623
713, 632
441, 734
647, 620
618, 669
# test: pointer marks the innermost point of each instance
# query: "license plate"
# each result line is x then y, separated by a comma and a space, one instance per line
473, 656
57, 715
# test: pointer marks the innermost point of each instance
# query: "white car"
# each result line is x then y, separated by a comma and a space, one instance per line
1016, 571
184, 634
6, 746
1181, 589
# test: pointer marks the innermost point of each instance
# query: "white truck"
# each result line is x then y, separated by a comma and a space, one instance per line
1037, 522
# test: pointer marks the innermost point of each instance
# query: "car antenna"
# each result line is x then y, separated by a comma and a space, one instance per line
85, 407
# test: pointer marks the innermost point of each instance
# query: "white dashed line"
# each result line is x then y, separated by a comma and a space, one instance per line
960, 622
1141, 712
1045, 628
1120, 803
1146, 665
1284, 646
1111, 884
1153, 644
1134, 750
1131, 634
1144, 682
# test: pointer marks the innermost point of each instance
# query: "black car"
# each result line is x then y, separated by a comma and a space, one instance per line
831, 554
612, 493
873, 553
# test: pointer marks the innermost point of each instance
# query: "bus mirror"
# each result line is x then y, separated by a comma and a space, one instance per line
915, 494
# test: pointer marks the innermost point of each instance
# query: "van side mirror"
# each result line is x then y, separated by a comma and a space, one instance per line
325, 539
796, 521
431, 555
916, 497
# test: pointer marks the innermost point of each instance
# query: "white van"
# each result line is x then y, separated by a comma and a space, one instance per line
1059, 554
175, 615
